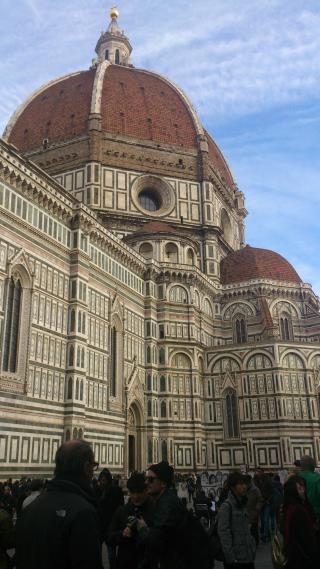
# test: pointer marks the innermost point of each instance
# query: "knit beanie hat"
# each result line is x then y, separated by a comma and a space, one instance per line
164, 471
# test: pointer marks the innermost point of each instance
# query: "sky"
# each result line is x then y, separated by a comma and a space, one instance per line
250, 68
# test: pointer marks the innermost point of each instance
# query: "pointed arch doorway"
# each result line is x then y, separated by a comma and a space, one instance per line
135, 438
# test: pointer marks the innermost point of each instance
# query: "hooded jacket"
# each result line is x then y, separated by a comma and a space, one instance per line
234, 532
60, 529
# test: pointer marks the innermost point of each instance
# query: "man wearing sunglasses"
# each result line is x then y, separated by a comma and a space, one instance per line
60, 529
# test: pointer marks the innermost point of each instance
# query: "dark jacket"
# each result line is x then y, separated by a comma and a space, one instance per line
234, 532
7, 536
131, 551
254, 503
109, 501
300, 537
163, 546
60, 529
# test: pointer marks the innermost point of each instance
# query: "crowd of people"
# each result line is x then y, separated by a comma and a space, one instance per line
64, 522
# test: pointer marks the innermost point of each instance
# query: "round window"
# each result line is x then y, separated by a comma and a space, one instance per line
149, 200
152, 195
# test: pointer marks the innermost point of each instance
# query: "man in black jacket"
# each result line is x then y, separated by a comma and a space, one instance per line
124, 531
60, 529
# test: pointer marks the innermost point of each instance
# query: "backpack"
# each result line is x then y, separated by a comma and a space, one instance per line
215, 543
193, 543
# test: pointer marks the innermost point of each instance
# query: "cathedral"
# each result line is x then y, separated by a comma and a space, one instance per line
132, 312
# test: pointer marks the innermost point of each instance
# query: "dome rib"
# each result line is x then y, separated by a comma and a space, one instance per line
252, 263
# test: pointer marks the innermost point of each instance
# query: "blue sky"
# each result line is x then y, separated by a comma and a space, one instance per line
252, 70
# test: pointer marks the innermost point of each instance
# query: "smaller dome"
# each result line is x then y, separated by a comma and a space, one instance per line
252, 263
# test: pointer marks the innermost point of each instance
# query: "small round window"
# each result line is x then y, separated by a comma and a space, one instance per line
149, 200
152, 195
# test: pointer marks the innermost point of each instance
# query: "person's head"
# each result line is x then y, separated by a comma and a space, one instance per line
75, 459
276, 478
294, 490
36, 485
237, 484
159, 477
307, 462
7, 490
137, 489
259, 471
105, 478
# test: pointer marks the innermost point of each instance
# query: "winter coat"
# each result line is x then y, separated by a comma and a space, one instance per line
109, 502
254, 504
7, 535
60, 529
233, 529
131, 551
164, 548
300, 537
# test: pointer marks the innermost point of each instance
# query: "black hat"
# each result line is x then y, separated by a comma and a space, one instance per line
164, 471
136, 482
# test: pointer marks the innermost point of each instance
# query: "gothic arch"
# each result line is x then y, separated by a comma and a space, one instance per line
239, 306
283, 305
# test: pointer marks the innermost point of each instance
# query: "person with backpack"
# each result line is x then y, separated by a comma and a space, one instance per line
176, 539
299, 526
237, 543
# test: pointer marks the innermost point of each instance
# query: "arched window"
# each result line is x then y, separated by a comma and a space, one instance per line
68, 435
75, 434
163, 409
171, 253
79, 321
190, 257
149, 407
80, 434
240, 331
162, 383
83, 323
207, 308
150, 451
117, 57
82, 358
81, 391
72, 321
164, 450
77, 390
285, 327
225, 225
178, 294
162, 356
148, 355
231, 414
78, 357
11, 336
149, 383
146, 250
71, 356
106, 54
70, 386
114, 363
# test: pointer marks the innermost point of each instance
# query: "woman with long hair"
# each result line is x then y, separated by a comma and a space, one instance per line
299, 526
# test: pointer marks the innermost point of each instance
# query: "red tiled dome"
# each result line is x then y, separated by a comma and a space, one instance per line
253, 263
134, 103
